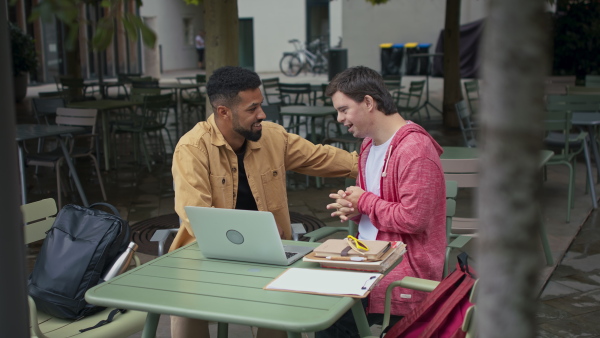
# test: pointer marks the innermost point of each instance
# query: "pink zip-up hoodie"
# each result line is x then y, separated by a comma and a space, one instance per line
411, 209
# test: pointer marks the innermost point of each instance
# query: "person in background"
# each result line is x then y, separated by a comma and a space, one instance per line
200, 48
400, 193
236, 160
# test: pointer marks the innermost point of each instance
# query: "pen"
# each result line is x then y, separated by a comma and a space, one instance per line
354, 259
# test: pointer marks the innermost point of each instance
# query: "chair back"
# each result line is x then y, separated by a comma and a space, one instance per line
273, 113
144, 82
73, 89
464, 171
83, 144
139, 93
467, 127
472, 95
592, 81
44, 108
156, 110
559, 122
557, 85
271, 90
126, 77
579, 103
201, 78
38, 218
412, 98
581, 90
393, 83
295, 93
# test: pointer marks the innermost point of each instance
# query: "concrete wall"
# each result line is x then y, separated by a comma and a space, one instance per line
176, 53
399, 21
275, 22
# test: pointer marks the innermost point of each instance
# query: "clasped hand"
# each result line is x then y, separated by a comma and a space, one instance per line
345, 203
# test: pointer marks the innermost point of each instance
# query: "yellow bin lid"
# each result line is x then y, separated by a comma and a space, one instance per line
385, 45
411, 44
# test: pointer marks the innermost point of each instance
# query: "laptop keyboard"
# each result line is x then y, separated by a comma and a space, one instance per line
290, 254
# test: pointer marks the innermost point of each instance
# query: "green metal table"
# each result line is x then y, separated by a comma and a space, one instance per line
104, 107
185, 283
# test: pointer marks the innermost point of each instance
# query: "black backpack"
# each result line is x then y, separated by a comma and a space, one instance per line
79, 248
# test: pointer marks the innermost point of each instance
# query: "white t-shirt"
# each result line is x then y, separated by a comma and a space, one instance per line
199, 42
373, 170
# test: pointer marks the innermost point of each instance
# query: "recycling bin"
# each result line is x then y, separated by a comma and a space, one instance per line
338, 61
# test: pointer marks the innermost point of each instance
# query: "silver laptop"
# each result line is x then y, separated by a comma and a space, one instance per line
241, 235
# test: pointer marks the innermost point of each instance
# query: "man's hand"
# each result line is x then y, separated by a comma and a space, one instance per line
343, 205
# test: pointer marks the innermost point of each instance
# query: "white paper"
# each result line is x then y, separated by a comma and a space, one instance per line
325, 281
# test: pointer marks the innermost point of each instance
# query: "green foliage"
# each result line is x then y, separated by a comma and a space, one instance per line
67, 11
23, 51
577, 38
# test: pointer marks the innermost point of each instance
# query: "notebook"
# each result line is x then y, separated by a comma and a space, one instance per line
241, 235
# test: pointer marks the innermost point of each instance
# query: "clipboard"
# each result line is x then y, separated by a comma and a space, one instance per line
325, 282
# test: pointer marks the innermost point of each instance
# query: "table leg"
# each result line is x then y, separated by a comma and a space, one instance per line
150, 325
361, 319
22, 170
222, 330
73, 172
592, 134
105, 139
294, 334
313, 138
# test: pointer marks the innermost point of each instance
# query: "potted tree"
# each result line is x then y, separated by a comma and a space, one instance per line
24, 59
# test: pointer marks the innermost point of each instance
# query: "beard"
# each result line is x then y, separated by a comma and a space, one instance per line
248, 134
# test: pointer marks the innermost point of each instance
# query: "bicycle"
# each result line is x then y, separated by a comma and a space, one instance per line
292, 63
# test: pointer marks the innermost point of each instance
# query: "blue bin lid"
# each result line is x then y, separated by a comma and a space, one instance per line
424, 45
398, 45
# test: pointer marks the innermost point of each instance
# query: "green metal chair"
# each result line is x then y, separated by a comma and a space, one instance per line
557, 125
592, 80
38, 217
271, 91
409, 103
472, 95
426, 285
468, 127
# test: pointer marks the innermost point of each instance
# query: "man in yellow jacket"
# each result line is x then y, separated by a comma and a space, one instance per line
235, 160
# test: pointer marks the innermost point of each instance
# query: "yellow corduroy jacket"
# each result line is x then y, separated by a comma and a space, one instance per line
205, 171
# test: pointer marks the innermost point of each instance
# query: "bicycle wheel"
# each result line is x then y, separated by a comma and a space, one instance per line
290, 65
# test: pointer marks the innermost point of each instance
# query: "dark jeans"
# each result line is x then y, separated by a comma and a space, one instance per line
345, 327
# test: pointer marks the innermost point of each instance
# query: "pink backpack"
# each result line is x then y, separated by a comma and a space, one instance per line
443, 311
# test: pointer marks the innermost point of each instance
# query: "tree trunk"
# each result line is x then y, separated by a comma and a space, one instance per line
221, 45
515, 61
452, 88
222, 34
13, 290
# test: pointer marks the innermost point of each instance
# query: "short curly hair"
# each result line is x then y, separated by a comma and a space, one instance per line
356, 82
226, 82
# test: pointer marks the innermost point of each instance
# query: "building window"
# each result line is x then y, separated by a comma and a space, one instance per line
188, 32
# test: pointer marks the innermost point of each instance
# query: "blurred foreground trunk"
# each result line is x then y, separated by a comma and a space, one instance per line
515, 60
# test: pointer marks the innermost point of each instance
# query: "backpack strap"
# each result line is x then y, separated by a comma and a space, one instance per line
110, 206
103, 322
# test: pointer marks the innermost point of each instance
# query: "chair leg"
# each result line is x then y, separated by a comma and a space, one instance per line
589, 175
570, 193
99, 176
58, 183
145, 150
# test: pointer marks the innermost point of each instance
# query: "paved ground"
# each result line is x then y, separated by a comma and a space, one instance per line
570, 289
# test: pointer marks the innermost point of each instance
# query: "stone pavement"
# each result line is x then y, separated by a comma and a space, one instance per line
569, 289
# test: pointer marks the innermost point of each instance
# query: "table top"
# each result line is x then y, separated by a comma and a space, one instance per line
586, 119
314, 111
33, 131
185, 283
180, 85
465, 153
459, 153
103, 104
